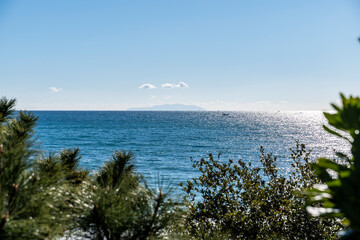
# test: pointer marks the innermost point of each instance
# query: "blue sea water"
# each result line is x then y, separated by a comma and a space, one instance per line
164, 142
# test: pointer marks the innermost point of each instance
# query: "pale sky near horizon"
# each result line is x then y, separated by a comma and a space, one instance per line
220, 55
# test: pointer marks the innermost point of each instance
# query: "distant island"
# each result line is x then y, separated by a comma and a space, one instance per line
169, 107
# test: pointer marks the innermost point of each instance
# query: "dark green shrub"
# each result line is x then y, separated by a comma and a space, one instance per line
235, 200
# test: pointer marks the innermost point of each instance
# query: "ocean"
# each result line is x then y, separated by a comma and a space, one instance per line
164, 142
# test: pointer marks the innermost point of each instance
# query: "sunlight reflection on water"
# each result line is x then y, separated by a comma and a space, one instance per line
163, 142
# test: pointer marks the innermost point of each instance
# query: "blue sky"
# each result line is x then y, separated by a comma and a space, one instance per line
220, 55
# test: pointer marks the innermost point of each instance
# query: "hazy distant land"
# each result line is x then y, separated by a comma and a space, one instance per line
169, 107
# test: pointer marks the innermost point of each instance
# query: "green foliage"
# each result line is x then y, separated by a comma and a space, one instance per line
47, 197
123, 208
60, 172
26, 203
340, 195
235, 200
114, 172
6, 108
65, 166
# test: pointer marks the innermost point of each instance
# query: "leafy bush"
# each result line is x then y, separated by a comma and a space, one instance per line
340, 194
235, 200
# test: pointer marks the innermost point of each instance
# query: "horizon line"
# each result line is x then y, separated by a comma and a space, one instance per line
129, 110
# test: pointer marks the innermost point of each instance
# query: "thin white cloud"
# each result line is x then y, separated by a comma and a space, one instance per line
147, 86
181, 85
171, 85
168, 85
55, 90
